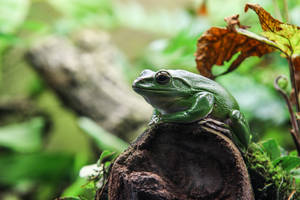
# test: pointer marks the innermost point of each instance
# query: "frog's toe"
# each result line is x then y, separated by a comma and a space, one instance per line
154, 120
151, 123
236, 115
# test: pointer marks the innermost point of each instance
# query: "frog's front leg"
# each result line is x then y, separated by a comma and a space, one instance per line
203, 105
240, 128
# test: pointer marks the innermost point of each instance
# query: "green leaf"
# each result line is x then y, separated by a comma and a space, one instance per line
283, 83
271, 148
104, 140
287, 39
287, 162
90, 185
106, 156
75, 188
23, 137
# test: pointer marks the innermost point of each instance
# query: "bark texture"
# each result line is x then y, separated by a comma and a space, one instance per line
88, 76
180, 162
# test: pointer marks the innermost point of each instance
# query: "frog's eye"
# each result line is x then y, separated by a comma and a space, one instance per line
162, 77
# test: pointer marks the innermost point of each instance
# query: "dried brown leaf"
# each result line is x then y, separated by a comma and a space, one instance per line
218, 45
285, 36
267, 22
234, 21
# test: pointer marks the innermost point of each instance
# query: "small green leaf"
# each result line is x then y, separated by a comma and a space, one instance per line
271, 148
23, 137
283, 83
104, 140
89, 185
77, 189
287, 162
106, 156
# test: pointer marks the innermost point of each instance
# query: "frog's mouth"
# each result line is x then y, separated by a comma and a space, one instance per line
151, 90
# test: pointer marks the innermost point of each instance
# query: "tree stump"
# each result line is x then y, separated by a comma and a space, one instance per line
182, 162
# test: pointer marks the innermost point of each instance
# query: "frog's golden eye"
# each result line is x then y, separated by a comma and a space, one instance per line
162, 77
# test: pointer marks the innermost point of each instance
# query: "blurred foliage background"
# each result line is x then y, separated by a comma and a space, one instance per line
41, 155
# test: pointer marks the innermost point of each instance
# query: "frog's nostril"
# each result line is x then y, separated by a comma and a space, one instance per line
135, 82
145, 72
138, 81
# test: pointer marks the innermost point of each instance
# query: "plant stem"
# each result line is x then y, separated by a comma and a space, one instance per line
295, 128
296, 139
291, 195
294, 84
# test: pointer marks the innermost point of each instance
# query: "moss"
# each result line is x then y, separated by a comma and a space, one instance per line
268, 181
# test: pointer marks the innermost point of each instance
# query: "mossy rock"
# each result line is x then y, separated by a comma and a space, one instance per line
269, 181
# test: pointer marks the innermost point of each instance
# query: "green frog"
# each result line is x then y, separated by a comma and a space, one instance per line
179, 96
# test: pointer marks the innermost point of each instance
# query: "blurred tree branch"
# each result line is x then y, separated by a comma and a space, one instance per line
88, 78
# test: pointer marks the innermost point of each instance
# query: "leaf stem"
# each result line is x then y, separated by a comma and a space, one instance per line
295, 129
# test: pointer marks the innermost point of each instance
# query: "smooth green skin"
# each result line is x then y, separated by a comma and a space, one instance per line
189, 97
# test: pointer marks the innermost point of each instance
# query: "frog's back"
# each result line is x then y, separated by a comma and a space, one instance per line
199, 83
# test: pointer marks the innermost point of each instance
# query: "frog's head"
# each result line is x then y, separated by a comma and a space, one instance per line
163, 87
162, 82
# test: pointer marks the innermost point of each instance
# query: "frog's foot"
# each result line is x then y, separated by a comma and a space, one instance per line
154, 120
236, 115
238, 118
240, 128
